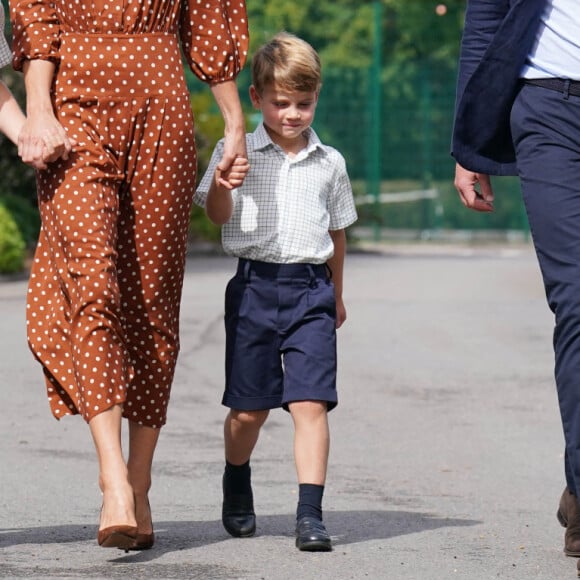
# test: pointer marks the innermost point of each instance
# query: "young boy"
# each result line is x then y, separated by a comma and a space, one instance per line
11, 116
286, 225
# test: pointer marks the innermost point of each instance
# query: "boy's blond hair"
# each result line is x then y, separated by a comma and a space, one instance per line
286, 62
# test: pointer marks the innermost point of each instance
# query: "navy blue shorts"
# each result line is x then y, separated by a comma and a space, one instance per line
280, 336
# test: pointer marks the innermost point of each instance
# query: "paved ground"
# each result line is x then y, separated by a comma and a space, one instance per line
446, 457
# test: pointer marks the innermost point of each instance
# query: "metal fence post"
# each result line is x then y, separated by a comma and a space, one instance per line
375, 94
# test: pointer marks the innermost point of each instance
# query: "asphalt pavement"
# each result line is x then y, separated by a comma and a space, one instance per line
446, 454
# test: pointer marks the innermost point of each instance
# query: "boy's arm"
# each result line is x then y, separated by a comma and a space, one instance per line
336, 265
11, 116
219, 204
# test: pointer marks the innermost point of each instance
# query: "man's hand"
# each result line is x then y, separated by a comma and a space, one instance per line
474, 189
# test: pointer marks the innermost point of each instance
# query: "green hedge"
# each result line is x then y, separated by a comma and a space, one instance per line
26, 216
12, 246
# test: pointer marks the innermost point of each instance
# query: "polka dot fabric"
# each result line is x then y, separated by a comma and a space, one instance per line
214, 34
105, 285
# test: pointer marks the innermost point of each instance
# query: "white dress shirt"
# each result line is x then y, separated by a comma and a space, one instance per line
557, 49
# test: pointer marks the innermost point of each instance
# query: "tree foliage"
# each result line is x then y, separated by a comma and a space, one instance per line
407, 49
343, 30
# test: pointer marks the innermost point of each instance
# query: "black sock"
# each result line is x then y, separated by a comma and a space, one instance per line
237, 478
309, 501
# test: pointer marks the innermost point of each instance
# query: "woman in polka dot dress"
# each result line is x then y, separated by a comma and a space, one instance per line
110, 132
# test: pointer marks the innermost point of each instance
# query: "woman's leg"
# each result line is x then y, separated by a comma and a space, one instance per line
142, 443
118, 503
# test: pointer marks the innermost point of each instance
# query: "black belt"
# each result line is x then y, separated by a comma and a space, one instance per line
565, 86
273, 270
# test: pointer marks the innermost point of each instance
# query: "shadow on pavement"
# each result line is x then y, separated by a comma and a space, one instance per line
345, 527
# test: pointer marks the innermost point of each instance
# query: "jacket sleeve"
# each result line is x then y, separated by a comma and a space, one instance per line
215, 39
36, 31
482, 20
497, 38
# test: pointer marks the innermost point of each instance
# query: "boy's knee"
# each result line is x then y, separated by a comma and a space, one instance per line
249, 418
311, 408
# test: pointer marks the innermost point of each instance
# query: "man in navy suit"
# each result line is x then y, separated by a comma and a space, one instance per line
518, 113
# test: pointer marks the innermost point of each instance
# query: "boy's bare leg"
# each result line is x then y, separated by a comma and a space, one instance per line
241, 432
311, 447
311, 440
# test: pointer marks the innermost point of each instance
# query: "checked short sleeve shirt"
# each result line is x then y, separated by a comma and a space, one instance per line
286, 206
5, 52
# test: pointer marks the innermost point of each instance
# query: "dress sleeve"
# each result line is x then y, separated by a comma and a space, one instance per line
214, 36
36, 31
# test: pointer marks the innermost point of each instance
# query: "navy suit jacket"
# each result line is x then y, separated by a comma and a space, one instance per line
497, 37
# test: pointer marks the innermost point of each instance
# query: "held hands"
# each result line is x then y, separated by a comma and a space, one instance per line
233, 175
42, 140
234, 165
467, 182
229, 174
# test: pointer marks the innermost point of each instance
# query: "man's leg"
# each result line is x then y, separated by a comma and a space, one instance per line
546, 131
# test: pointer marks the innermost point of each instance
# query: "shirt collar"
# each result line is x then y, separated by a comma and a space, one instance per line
261, 140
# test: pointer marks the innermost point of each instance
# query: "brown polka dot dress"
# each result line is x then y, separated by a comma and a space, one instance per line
105, 286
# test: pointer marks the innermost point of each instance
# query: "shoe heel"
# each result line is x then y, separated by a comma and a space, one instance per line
561, 519
122, 537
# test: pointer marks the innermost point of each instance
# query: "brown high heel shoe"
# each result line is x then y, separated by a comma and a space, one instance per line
122, 537
144, 541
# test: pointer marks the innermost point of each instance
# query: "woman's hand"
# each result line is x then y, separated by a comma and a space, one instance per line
42, 140
235, 154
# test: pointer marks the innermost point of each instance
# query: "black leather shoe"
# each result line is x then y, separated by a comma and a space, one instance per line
311, 536
238, 515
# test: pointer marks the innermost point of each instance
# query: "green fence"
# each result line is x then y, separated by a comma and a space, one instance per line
400, 146
415, 121
391, 121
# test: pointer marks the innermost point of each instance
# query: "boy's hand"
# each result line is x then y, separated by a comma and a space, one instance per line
234, 175
340, 312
